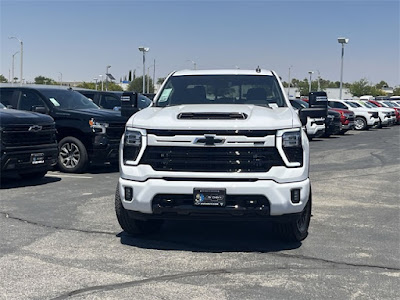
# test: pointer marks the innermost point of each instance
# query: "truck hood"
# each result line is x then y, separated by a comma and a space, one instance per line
103, 115
216, 116
20, 117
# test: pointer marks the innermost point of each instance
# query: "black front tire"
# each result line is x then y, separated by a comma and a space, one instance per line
131, 225
72, 156
33, 175
360, 124
296, 230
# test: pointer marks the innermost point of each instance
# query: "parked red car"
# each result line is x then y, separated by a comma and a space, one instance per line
346, 118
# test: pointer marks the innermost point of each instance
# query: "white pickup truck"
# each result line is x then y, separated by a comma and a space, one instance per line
216, 144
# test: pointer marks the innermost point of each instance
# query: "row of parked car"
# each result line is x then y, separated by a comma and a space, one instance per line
344, 115
43, 126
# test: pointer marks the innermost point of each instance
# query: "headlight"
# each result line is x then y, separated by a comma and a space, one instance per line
99, 127
291, 139
292, 148
132, 146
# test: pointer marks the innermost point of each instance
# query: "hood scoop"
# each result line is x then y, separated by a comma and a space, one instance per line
212, 116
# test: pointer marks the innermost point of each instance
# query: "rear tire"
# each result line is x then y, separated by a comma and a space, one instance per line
131, 225
72, 156
296, 230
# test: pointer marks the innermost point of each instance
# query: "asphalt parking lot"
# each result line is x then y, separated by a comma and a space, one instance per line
60, 238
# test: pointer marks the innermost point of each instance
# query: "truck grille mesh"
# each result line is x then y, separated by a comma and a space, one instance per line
19, 136
211, 159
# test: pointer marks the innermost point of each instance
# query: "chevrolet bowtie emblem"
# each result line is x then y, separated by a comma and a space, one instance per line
35, 128
209, 140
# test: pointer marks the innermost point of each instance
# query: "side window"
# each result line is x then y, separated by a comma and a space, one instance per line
29, 101
6, 98
90, 96
109, 102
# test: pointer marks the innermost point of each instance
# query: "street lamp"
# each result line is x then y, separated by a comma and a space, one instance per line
194, 64
288, 90
148, 78
144, 50
61, 83
342, 41
309, 86
21, 51
12, 67
107, 76
101, 79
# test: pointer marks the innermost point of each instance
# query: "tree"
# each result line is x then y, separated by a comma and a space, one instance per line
92, 86
44, 80
160, 80
396, 91
381, 84
3, 79
137, 84
130, 76
361, 87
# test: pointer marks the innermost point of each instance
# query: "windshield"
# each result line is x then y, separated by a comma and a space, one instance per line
368, 104
222, 89
352, 104
68, 99
390, 104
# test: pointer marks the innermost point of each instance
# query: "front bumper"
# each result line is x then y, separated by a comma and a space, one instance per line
104, 150
21, 161
277, 197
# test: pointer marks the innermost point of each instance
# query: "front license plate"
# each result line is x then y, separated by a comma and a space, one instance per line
37, 158
209, 197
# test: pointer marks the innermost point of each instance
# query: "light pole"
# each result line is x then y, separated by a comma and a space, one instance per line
61, 83
288, 90
12, 66
309, 86
144, 50
21, 51
148, 78
342, 41
194, 64
95, 83
101, 79
319, 77
107, 76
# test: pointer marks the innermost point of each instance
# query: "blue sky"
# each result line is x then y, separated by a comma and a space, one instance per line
80, 38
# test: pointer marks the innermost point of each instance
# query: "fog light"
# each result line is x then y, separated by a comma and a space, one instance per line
128, 194
295, 195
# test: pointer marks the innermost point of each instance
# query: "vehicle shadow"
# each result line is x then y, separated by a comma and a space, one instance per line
214, 237
16, 182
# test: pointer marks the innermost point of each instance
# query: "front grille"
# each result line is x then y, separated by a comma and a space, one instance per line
211, 159
375, 114
21, 136
115, 130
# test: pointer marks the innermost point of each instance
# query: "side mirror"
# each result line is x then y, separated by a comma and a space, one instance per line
318, 99
129, 104
40, 109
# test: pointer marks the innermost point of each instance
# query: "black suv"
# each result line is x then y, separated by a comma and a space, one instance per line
28, 144
112, 99
85, 133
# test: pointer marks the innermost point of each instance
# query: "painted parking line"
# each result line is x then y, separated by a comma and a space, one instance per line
57, 174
